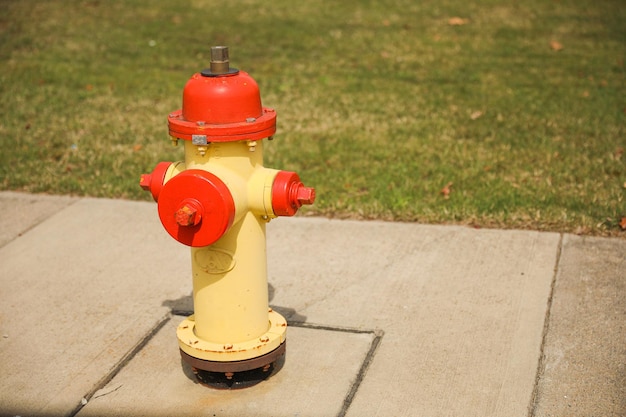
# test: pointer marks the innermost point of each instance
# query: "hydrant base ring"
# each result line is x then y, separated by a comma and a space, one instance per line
237, 366
228, 352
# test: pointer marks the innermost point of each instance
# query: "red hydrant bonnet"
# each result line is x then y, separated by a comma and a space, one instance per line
222, 107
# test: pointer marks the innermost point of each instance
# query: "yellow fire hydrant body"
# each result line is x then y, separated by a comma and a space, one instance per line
218, 201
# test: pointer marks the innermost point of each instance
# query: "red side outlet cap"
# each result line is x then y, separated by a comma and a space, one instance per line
153, 182
289, 194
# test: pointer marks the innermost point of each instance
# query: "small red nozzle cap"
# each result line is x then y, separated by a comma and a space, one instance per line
289, 194
153, 182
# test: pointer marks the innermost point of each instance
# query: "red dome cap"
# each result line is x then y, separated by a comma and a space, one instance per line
221, 100
221, 104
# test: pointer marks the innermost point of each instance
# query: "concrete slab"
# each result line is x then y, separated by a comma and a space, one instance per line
585, 354
21, 212
462, 310
316, 377
80, 292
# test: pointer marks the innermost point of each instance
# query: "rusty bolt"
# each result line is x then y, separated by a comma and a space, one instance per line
187, 216
305, 195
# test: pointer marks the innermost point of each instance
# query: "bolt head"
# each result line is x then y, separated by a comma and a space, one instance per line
145, 181
186, 216
305, 195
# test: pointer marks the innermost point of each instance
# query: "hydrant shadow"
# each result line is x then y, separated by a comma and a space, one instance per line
182, 306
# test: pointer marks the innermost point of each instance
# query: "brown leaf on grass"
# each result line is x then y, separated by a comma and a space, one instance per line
137, 147
622, 223
457, 21
475, 115
445, 191
556, 45
581, 230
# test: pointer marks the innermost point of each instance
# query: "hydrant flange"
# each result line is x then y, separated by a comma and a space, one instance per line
255, 128
216, 356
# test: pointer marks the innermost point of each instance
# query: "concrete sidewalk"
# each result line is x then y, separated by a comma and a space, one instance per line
386, 319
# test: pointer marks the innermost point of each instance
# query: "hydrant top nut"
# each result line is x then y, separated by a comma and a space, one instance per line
220, 63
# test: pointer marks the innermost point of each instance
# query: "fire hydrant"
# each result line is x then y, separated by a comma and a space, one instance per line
218, 202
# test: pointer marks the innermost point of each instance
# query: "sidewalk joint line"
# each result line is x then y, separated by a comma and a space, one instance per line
182, 313
302, 324
47, 217
314, 326
546, 327
121, 364
369, 358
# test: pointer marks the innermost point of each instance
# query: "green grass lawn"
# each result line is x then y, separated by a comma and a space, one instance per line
492, 113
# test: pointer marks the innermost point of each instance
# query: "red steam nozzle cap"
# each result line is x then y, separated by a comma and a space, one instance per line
196, 208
